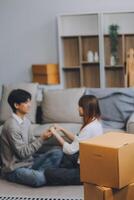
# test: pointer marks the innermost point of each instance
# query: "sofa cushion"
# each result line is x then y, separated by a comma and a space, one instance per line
5, 110
61, 105
116, 105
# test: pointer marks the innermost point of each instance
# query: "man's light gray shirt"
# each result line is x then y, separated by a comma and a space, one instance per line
17, 144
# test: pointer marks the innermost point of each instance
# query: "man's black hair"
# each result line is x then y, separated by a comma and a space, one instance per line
18, 96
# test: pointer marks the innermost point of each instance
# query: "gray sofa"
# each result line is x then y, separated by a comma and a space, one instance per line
61, 106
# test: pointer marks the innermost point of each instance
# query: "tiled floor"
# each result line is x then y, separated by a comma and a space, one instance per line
32, 198
62, 192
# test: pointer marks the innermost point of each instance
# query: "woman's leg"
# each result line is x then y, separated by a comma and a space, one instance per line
63, 176
27, 176
50, 159
70, 161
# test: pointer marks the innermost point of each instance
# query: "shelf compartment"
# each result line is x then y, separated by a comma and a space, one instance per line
71, 51
115, 76
129, 43
72, 77
107, 52
91, 75
89, 43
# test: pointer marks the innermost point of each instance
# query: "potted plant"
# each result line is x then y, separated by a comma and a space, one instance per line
113, 34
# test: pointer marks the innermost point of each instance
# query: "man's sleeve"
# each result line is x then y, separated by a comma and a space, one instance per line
22, 149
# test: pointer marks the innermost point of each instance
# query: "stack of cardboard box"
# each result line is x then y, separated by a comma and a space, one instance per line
45, 73
107, 167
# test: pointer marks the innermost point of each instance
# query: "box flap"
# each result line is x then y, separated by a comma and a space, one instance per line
111, 139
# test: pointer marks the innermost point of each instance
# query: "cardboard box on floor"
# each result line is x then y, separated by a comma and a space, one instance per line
94, 192
108, 160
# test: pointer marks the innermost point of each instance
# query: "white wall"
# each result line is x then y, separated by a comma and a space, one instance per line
28, 31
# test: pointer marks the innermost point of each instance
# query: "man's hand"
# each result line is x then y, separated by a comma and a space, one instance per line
46, 135
58, 127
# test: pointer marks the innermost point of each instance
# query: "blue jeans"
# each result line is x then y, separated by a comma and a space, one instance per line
35, 175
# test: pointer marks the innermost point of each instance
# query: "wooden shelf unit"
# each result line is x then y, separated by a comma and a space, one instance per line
80, 33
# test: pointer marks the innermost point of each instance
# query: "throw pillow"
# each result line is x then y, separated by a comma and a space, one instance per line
61, 105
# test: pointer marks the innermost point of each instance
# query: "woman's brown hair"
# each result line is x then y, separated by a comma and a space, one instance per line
91, 109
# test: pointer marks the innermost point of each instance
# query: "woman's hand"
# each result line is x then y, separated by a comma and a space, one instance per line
55, 133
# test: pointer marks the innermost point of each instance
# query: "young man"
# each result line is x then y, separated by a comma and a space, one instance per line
18, 146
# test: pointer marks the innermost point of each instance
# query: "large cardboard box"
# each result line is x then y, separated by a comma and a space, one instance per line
94, 192
108, 160
45, 73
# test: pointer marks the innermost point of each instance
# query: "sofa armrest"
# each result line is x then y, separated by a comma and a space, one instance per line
130, 124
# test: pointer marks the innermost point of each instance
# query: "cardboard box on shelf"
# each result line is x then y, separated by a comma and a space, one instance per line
45, 73
95, 192
108, 160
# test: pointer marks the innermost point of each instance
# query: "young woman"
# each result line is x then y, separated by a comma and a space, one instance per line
90, 111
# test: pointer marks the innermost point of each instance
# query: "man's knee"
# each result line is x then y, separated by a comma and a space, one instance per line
28, 177
36, 179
